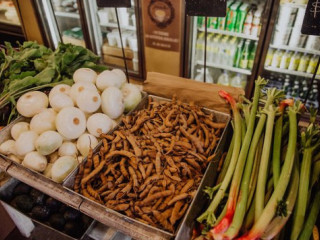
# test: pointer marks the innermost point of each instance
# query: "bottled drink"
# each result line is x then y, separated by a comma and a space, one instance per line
252, 55
245, 55
276, 59
232, 16
232, 50
312, 64
200, 22
285, 60
237, 58
304, 61
238, 81
248, 23
255, 30
224, 78
210, 48
243, 11
223, 56
215, 48
200, 47
269, 57
294, 61
200, 75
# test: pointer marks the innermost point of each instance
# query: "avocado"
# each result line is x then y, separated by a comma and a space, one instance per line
40, 213
20, 189
57, 221
71, 214
24, 203
73, 229
53, 204
37, 196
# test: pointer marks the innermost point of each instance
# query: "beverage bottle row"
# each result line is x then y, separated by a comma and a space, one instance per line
288, 29
227, 50
223, 78
294, 61
241, 17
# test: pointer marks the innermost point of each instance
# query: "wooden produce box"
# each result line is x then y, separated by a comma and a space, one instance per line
116, 52
117, 61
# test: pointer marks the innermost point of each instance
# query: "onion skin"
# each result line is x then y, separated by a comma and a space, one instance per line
61, 88
62, 167
99, 123
26, 143
32, 103
35, 161
60, 101
85, 74
19, 128
68, 149
108, 79
112, 102
85, 142
44, 121
48, 142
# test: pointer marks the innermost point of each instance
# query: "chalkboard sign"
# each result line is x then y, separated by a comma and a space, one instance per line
114, 3
311, 21
208, 8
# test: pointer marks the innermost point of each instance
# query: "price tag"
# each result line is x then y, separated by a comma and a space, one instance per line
311, 21
208, 8
114, 3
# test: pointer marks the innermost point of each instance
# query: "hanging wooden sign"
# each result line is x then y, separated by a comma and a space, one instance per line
311, 21
208, 8
114, 3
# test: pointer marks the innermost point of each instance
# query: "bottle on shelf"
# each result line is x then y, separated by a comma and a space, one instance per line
248, 23
223, 48
269, 57
238, 81
231, 50
252, 55
237, 58
243, 11
200, 47
276, 58
245, 55
294, 61
256, 26
304, 61
232, 16
224, 78
312, 64
285, 60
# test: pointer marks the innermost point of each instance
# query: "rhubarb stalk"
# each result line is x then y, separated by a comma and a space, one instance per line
236, 180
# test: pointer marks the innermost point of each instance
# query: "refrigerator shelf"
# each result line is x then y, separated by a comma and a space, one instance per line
114, 25
67, 14
295, 49
290, 72
294, 5
234, 34
229, 68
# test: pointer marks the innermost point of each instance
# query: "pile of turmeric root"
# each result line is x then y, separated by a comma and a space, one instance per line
151, 166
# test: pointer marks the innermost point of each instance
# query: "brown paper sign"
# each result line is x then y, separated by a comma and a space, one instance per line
161, 19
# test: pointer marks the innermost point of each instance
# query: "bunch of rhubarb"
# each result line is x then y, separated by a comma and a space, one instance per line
270, 173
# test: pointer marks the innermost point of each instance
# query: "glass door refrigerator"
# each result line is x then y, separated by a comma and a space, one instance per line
104, 33
10, 26
234, 44
290, 58
63, 21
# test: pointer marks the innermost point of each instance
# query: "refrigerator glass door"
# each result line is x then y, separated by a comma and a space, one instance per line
292, 57
8, 13
231, 44
68, 21
105, 35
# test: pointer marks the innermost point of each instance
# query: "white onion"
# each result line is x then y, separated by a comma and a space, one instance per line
99, 123
53, 157
85, 74
61, 88
109, 79
35, 161
8, 147
15, 158
79, 87
71, 122
19, 128
31, 103
44, 121
121, 74
85, 142
48, 142
60, 101
89, 101
26, 143
131, 95
62, 167
68, 149
112, 102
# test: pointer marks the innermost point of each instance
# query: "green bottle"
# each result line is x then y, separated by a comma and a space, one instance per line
245, 55
252, 55
236, 61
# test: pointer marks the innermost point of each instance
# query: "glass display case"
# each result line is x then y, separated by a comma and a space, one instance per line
104, 32
233, 44
10, 26
291, 57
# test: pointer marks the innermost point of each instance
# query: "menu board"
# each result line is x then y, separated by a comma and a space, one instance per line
208, 8
162, 24
114, 3
311, 21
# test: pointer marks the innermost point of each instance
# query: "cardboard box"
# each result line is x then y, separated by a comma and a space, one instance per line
118, 61
116, 52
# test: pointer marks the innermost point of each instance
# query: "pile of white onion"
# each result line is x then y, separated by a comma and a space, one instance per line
68, 122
